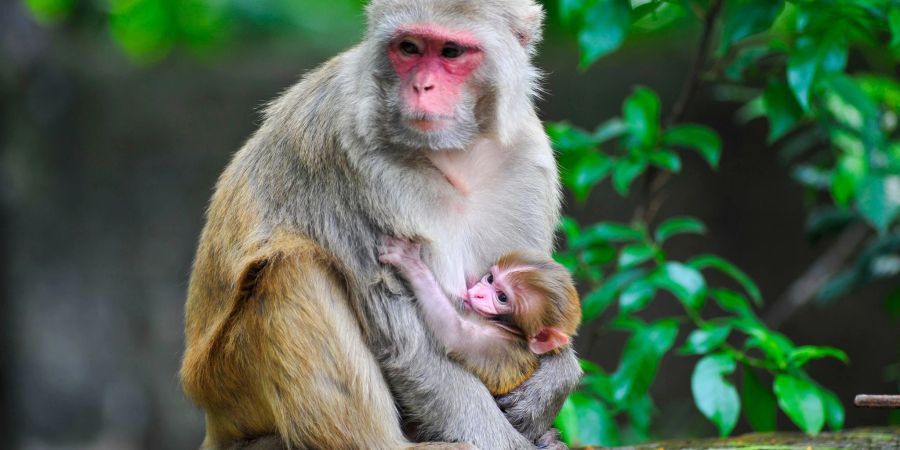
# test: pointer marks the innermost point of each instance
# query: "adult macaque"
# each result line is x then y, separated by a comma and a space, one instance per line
295, 333
525, 306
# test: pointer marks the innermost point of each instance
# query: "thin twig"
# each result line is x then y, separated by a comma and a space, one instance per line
694, 76
877, 401
802, 291
655, 180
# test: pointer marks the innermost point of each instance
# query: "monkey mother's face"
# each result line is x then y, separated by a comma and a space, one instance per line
434, 102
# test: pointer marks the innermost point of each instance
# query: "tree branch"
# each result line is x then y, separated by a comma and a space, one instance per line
802, 291
655, 180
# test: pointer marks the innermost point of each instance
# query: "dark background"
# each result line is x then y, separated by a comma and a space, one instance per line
107, 165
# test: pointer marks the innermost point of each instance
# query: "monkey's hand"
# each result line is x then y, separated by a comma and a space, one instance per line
532, 406
551, 441
403, 254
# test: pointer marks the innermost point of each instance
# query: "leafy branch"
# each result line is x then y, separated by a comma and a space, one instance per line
785, 60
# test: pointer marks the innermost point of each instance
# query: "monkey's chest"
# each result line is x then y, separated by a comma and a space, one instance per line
502, 373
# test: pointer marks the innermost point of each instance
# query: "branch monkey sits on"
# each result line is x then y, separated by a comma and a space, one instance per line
296, 335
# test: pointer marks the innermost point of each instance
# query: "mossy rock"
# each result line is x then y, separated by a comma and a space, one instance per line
859, 439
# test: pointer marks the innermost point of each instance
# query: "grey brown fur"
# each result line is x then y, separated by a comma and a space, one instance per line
294, 328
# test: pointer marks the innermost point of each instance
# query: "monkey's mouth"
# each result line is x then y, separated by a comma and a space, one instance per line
428, 124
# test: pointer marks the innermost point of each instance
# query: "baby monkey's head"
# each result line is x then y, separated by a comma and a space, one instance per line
532, 295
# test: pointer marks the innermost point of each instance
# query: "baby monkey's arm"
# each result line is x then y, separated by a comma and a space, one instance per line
452, 330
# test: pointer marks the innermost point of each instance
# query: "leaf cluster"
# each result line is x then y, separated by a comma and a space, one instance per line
788, 62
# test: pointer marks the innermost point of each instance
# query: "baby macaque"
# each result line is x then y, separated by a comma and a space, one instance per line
525, 306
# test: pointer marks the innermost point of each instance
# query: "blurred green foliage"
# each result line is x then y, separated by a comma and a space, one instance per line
821, 73
148, 30
836, 124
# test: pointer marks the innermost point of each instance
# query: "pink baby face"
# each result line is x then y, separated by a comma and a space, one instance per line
433, 64
492, 295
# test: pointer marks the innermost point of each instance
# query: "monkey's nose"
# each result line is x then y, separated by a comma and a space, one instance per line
420, 88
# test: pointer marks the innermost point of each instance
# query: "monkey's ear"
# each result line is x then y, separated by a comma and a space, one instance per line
548, 339
527, 23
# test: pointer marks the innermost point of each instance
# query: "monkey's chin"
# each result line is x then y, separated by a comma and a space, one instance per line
429, 125
433, 133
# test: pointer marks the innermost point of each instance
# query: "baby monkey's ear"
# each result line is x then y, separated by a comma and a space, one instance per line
548, 339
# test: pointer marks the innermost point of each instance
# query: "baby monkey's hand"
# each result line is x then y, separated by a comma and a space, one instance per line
403, 254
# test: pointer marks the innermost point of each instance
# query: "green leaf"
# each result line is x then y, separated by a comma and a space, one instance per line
759, 403
610, 129
849, 104
603, 28
49, 11
742, 18
640, 360
782, 109
570, 228
625, 173
665, 159
803, 354
589, 367
584, 420
705, 340
612, 232
684, 282
566, 137
698, 137
894, 22
732, 302
636, 296
811, 176
597, 255
774, 345
640, 414
834, 410
712, 261
641, 114
635, 254
799, 398
715, 397
678, 225
596, 382
753, 109
597, 301
143, 29
570, 10
879, 201
567, 259
594, 304
591, 169
811, 57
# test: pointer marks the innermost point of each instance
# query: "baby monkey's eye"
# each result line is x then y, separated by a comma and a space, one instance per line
490, 278
502, 297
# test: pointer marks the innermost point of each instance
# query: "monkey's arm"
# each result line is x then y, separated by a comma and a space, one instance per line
532, 406
453, 331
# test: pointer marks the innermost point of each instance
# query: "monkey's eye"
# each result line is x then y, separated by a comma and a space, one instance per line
409, 48
501, 297
452, 51
490, 278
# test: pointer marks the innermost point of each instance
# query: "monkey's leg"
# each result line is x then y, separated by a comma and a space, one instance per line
291, 360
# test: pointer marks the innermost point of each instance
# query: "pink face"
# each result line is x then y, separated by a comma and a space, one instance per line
433, 65
492, 295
